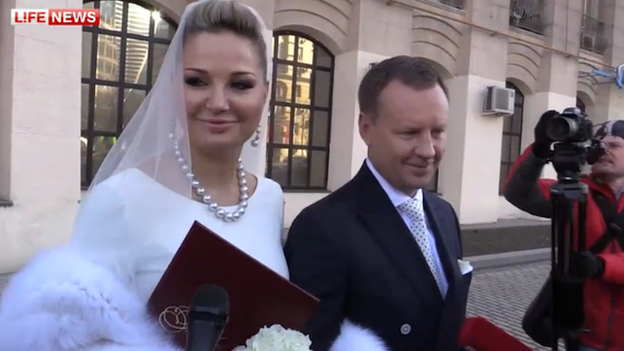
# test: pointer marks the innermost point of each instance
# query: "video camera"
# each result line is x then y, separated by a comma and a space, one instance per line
570, 126
557, 311
574, 146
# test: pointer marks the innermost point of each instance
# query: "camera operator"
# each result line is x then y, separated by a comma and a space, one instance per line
602, 270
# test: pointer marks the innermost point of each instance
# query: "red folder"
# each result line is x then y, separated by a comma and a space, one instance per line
481, 335
258, 296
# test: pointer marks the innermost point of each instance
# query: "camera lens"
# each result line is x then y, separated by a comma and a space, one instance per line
561, 128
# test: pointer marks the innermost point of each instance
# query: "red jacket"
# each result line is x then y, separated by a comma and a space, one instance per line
604, 297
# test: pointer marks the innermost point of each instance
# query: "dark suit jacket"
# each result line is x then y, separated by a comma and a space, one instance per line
353, 251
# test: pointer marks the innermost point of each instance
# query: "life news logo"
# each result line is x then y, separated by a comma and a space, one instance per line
56, 17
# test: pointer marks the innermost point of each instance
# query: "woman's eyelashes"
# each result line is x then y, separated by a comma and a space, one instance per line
237, 85
243, 85
194, 82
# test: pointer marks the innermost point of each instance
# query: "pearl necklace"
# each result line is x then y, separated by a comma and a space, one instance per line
214, 207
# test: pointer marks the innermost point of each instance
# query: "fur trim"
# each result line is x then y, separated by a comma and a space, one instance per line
353, 337
61, 301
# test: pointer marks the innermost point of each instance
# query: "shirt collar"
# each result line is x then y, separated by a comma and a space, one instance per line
606, 187
396, 197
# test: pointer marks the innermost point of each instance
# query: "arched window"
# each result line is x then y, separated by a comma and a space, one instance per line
581, 105
300, 116
120, 61
512, 136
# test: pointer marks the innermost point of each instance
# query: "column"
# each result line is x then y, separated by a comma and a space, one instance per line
255, 158
559, 94
370, 40
6, 100
557, 77
347, 148
610, 100
45, 130
470, 168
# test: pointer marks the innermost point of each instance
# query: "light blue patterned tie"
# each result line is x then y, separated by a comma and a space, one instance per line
414, 210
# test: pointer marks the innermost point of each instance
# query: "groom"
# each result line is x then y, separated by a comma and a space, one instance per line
381, 252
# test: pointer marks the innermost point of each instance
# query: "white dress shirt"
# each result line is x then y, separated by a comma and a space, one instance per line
397, 198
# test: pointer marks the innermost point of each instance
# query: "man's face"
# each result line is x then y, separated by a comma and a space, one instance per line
611, 165
407, 138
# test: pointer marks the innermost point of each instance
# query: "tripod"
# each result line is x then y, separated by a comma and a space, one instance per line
569, 200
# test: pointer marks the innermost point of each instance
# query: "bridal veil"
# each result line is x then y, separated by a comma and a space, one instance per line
156, 138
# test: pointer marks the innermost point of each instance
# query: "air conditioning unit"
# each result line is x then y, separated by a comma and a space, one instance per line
588, 41
498, 101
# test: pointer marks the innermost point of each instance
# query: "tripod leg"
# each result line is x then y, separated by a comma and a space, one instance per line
582, 222
568, 235
572, 344
561, 228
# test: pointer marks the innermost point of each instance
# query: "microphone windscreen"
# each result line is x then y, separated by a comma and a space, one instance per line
481, 335
465, 333
210, 299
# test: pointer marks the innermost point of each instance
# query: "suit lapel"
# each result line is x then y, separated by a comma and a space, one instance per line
450, 323
449, 261
387, 228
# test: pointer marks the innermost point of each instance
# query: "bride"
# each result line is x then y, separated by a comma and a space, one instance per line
182, 158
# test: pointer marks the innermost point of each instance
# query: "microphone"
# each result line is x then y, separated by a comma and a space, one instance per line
208, 314
481, 335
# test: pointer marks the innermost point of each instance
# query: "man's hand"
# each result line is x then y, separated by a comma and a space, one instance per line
586, 265
542, 143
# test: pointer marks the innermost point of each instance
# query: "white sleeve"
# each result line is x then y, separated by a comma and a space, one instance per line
102, 223
64, 301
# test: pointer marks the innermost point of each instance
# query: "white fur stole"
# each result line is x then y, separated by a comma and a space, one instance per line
63, 302
356, 338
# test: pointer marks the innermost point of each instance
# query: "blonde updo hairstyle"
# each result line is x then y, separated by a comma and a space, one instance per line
218, 16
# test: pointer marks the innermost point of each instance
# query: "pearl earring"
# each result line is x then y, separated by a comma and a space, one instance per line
256, 140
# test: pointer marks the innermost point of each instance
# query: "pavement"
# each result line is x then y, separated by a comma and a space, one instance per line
512, 258
506, 235
503, 294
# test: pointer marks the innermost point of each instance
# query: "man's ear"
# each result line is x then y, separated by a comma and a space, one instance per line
364, 125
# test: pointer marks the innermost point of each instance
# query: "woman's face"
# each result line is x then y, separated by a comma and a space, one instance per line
224, 91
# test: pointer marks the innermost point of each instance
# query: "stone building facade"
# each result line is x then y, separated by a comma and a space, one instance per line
66, 93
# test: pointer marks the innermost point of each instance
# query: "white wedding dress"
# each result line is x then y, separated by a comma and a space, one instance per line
90, 295
156, 220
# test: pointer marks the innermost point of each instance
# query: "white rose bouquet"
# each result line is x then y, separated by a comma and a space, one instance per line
277, 338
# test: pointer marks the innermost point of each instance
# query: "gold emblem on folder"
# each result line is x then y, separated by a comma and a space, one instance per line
174, 319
